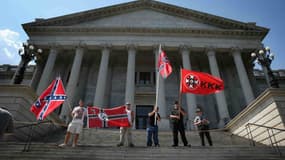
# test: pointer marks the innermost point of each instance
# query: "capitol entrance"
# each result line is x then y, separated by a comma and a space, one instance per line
142, 115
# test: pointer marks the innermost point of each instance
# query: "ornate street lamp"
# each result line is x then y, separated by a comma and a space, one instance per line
264, 58
27, 53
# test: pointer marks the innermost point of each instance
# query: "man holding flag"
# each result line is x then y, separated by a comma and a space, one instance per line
76, 125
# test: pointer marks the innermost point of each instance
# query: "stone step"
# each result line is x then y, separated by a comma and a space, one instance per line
107, 137
101, 144
51, 151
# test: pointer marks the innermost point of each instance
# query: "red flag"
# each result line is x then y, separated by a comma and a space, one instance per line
49, 100
107, 117
199, 83
164, 66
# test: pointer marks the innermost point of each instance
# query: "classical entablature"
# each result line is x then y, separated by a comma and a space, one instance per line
145, 17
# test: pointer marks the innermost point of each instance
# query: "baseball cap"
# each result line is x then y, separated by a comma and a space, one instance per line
198, 110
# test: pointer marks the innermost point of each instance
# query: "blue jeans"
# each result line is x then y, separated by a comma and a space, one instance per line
152, 133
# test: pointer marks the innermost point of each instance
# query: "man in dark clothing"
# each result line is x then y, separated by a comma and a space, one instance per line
152, 128
178, 125
6, 121
202, 124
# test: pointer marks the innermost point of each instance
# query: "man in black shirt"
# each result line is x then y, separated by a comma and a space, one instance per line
152, 128
178, 125
202, 124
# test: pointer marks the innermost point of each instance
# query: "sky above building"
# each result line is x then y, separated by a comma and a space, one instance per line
266, 13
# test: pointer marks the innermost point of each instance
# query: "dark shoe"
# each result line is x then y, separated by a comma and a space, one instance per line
174, 145
187, 145
157, 145
131, 145
119, 145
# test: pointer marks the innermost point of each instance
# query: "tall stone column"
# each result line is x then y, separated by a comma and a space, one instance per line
164, 122
190, 98
44, 81
102, 77
71, 84
130, 83
220, 97
244, 81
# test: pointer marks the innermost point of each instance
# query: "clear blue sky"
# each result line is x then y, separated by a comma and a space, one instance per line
266, 13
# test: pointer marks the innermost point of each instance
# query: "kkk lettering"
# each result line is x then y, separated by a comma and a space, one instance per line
209, 85
199, 83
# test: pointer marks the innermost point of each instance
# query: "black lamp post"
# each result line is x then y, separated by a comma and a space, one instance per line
27, 53
264, 58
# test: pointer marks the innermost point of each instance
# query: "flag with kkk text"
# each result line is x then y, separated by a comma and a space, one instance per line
199, 83
164, 66
49, 100
107, 117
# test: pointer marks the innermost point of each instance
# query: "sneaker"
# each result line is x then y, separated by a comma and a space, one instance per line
174, 145
119, 144
73, 145
62, 145
157, 145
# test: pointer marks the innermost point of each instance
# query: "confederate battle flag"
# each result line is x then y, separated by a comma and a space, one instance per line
164, 66
49, 100
199, 83
107, 117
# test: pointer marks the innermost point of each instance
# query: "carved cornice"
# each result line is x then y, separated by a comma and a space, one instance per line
151, 31
239, 28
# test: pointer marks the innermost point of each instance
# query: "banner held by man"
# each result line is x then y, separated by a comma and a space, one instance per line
107, 117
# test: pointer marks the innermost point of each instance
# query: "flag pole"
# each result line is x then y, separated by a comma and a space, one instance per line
157, 75
180, 94
157, 82
180, 87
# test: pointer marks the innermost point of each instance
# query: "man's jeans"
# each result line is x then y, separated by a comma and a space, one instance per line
152, 133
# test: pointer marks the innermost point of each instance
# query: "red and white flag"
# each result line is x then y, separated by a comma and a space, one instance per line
49, 100
199, 83
164, 66
107, 117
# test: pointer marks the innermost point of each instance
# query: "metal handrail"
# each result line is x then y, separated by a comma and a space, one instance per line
31, 125
283, 130
273, 140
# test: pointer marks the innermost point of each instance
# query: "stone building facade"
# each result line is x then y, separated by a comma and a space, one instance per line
108, 56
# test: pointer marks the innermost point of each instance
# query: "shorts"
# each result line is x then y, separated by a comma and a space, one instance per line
75, 128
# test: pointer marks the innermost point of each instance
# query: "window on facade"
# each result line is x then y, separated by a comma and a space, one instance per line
144, 77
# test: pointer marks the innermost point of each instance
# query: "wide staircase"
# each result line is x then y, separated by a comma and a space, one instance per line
101, 144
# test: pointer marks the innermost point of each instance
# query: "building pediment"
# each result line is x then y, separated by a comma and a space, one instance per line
144, 16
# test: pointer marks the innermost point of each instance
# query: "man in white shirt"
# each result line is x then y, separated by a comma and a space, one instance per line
127, 130
76, 125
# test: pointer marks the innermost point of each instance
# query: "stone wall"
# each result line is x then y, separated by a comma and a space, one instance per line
267, 110
18, 99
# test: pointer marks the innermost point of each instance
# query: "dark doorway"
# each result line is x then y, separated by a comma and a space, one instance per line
142, 115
